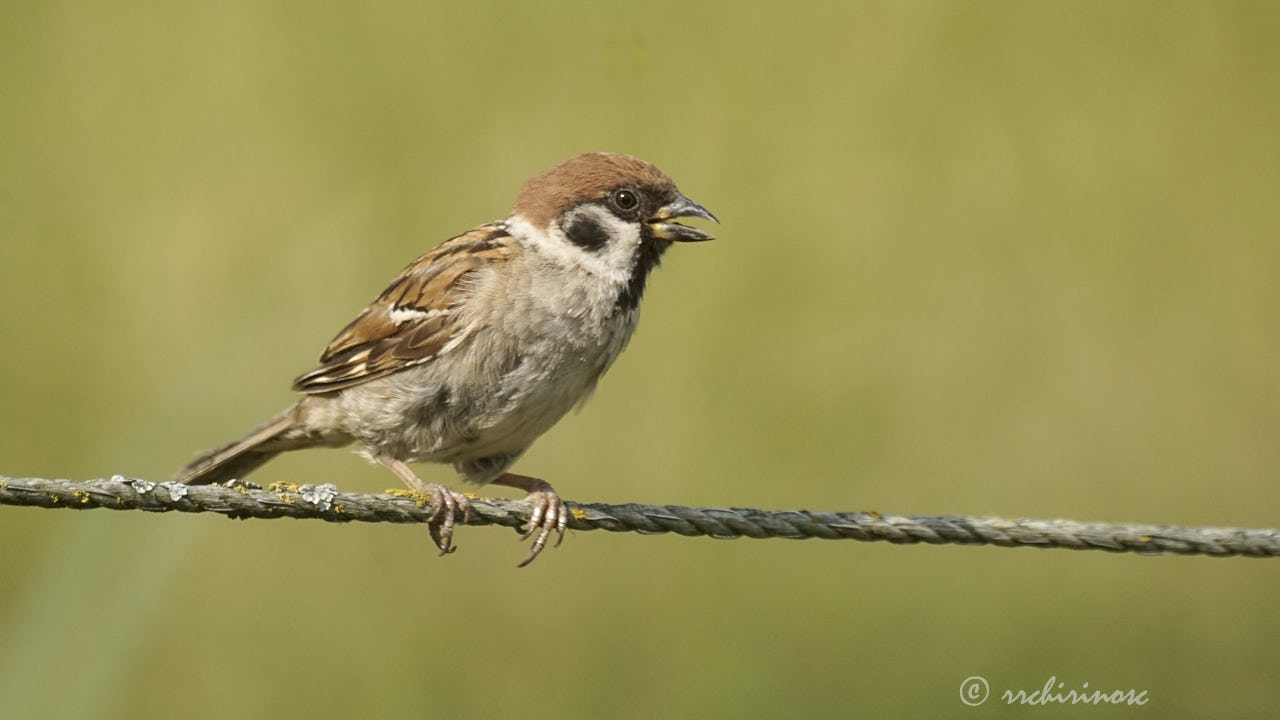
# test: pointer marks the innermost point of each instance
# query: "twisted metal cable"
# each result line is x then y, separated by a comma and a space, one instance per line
324, 502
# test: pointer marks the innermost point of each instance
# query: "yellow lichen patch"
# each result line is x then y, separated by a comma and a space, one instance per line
422, 499
54, 499
1146, 538
286, 497
4, 484
339, 509
470, 496
281, 487
81, 495
578, 513
241, 489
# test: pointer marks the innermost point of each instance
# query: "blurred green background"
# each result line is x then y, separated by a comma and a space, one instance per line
1007, 258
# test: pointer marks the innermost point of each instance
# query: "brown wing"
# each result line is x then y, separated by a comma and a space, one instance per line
414, 317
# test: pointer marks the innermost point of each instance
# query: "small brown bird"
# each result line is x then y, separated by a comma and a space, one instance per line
481, 345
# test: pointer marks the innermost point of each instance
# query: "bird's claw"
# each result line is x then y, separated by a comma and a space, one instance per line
549, 513
446, 502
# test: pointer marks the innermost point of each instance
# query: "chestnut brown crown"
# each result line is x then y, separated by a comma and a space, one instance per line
585, 178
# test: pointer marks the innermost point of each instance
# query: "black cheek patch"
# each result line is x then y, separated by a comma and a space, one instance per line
586, 233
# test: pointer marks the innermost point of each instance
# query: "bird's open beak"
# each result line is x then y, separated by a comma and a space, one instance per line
679, 208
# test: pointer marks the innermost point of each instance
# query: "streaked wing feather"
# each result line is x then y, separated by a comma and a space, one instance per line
413, 319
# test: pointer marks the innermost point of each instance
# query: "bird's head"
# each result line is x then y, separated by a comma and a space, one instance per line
610, 213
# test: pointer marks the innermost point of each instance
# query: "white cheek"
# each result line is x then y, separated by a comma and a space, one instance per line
613, 261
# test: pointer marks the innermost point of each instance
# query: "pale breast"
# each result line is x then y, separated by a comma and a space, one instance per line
536, 350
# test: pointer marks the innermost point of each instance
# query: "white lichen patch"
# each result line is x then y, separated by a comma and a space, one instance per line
177, 490
319, 495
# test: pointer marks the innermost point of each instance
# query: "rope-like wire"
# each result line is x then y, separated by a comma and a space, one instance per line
324, 502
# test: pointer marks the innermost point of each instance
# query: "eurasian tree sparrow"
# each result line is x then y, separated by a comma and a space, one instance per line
481, 345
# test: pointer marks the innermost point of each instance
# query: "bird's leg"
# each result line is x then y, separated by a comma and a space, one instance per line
443, 500
549, 512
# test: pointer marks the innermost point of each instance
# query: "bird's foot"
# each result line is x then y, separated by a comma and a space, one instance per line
449, 503
444, 501
549, 512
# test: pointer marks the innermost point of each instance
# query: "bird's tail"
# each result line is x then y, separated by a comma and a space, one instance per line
237, 459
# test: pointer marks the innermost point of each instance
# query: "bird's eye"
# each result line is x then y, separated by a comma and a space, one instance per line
625, 200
